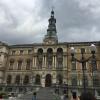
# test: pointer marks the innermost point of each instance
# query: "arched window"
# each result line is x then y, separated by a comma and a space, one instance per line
40, 58
26, 80
37, 79
11, 64
9, 79
59, 58
17, 79
28, 64
49, 57
19, 64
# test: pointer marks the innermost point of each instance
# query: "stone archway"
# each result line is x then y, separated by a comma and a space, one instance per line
48, 80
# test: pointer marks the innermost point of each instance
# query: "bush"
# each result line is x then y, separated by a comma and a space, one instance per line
4, 95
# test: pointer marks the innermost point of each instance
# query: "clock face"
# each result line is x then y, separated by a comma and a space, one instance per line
51, 42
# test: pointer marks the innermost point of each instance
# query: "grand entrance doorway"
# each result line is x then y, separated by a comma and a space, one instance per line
48, 80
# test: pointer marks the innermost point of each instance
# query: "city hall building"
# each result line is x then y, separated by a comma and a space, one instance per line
50, 62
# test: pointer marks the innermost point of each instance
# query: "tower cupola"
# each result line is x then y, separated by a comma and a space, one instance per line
51, 36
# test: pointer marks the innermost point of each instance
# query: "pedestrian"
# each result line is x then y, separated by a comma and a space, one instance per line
34, 96
37, 89
0, 97
87, 96
11, 97
62, 97
74, 96
56, 97
65, 97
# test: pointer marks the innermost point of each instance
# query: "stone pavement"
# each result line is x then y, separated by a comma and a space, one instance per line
42, 94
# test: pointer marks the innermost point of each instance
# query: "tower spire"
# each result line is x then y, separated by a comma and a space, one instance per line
52, 12
51, 36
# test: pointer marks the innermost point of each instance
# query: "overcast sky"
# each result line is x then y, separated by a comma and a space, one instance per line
26, 21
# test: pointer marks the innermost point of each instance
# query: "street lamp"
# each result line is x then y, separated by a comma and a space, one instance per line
93, 49
83, 60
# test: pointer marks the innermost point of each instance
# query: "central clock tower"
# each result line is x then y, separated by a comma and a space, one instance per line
51, 36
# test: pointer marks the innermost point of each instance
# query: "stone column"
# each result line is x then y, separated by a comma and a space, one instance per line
63, 61
43, 63
55, 61
33, 62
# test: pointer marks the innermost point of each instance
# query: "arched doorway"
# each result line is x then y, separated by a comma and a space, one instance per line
48, 80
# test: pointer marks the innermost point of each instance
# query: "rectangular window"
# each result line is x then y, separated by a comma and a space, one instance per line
49, 64
28, 64
60, 64
74, 81
73, 65
11, 65
96, 81
40, 64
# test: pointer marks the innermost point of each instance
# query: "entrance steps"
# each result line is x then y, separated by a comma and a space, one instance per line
46, 93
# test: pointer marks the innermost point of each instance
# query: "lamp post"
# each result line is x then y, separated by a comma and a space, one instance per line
93, 49
83, 60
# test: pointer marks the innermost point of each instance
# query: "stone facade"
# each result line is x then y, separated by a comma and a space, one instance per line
44, 64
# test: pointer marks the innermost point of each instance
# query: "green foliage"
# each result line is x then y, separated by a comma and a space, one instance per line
4, 94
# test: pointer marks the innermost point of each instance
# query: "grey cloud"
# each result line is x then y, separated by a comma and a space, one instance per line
73, 22
69, 17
